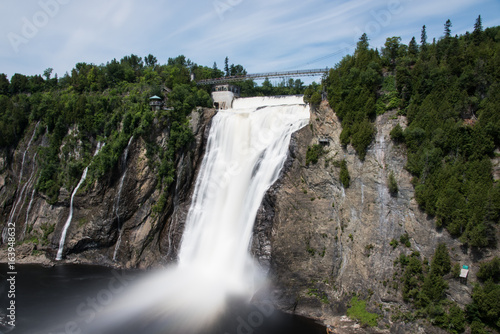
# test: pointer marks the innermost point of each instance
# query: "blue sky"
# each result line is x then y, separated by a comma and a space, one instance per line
262, 35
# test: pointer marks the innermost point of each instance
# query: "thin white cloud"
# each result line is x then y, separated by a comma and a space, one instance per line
262, 35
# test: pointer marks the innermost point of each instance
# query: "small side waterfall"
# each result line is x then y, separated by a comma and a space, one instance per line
117, 202
70, 217
20, 195
28, 212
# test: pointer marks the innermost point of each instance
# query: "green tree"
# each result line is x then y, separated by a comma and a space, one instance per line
447, 28
4, 84
392, 184
18, 84
397, 134
345, 178
490, 270
413, 47
226, 66
391, 48
477, 34
150, 61
423, 36
362, 44
478, 26
47, 73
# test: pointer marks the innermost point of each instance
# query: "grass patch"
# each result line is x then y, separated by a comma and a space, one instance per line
358, 312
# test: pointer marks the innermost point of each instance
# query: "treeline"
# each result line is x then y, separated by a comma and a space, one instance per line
107, 103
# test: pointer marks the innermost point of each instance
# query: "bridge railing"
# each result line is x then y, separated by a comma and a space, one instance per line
262, 76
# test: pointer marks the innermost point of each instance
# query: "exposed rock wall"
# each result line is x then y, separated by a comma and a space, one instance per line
326, 242
148, 238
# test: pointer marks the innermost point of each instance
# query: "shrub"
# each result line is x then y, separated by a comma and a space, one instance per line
397, 134
405, 240
345, 178
313, 153
392, 184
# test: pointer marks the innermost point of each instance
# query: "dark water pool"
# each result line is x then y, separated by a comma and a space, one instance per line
59, 299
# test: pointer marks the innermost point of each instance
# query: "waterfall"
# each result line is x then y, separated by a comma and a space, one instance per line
28, 212
18, 198
70, 217
117, 202
246, 150
25, 151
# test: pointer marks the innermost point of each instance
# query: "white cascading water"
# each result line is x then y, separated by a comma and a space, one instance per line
117, 202
16, 203
246, 150
28, 212
70, 217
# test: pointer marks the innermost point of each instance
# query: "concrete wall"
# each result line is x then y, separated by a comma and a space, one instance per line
223, 98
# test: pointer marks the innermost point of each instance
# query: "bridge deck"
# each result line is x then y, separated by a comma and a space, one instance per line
298, 73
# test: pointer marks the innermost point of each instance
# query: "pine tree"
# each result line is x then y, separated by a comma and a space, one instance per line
478, 26
215, 70
363, 43
226, 66
423, 37
477, 34
447, 29
413, 47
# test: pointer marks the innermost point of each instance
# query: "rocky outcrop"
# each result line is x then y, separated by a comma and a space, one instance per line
327, 243
148, 238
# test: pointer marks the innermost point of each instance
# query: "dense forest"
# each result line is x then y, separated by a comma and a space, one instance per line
449, 91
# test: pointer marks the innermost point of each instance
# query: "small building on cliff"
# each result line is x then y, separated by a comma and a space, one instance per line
156, 103
224, 94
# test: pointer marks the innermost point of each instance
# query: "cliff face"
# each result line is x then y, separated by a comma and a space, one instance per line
325, 242
147, 238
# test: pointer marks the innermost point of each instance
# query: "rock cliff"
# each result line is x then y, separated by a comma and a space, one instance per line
324, 243
147, 238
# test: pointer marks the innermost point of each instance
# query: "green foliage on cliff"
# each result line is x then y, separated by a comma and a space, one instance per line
357, 311
345, 178
313, 153
490, 270
450, 93
106, 103
352, 93
392, 184
485, 308
425, 287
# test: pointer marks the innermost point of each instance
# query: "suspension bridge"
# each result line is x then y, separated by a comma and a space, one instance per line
285, 74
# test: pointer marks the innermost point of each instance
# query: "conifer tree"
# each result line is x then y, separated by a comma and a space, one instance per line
447, 29
413, 47
423, 37
478, 26
226, 66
